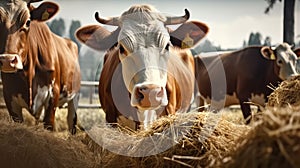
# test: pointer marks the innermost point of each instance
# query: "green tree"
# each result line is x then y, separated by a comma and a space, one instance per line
207, 46
75, 24
57, 26
254, 39
251, 39
244, 44
288, 19
267, 41
90, 63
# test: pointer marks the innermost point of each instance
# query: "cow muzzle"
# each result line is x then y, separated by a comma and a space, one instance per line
10, 63
148, 97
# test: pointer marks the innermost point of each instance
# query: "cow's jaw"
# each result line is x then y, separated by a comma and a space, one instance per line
147, 117
10, 63
287, 61
288, 71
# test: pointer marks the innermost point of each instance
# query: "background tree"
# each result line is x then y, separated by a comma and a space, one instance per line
57, 26
207, 46
267, 41
288, 19
244, 44
254, 39
75, 24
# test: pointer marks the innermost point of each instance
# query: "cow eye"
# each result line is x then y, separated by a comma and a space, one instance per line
27, 23
122, 50
26, 26
167, 47
279, 62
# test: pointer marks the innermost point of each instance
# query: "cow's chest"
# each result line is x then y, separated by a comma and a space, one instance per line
39, 100
18, 94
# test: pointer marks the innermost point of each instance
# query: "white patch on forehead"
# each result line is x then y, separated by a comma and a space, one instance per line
148, 61
142, 32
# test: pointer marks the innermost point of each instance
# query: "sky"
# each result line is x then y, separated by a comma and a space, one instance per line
230, 21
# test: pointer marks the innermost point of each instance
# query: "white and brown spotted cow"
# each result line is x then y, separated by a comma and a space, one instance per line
39, 69
145, 74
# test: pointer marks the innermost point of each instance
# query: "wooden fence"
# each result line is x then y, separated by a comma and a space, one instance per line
91, 85
91, 103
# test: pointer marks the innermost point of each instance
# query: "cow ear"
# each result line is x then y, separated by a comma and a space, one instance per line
188, 34
97, 37
268, 53
44, 12
297, 52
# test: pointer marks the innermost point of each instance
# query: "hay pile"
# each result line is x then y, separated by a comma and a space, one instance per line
23, 146
273, 142
191, 140
288, 93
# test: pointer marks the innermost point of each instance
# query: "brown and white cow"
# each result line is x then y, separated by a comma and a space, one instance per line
145, 74
246, 74
39, 70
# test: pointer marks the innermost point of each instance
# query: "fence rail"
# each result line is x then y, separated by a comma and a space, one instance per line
90, 84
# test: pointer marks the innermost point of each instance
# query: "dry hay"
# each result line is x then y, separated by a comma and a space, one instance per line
191, 139
23, 146
273, 142
288, 93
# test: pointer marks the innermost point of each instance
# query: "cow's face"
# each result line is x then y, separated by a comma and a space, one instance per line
143, 51
143, 42
15, 19
285, 58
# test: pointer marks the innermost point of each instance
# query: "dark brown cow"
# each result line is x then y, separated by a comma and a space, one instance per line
39, 69
145, 73
246, 74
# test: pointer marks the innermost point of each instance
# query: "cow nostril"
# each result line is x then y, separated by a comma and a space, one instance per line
139, 93
14, 60
160, 93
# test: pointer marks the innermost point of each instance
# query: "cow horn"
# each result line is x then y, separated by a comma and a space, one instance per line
114, 21
178, 19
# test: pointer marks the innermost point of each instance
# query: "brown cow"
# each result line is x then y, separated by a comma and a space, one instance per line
39, 69
242, 75
145, 73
